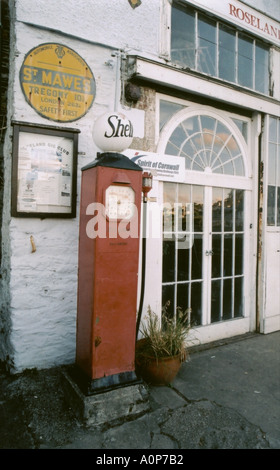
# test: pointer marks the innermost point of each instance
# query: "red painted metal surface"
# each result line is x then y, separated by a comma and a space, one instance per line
107, 284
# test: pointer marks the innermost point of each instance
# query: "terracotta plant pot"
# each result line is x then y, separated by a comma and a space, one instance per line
161, 371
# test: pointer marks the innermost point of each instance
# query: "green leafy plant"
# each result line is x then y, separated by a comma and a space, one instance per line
164, 339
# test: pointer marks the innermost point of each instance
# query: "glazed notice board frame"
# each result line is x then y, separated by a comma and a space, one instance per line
44, 171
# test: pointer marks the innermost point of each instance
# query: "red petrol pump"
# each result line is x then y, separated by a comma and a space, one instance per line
110, 211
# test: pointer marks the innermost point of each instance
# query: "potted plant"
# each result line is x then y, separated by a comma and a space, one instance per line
162, 348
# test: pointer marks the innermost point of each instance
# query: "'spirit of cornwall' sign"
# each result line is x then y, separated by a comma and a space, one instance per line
57, 82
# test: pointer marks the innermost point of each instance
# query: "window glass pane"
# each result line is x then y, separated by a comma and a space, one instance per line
206, 46
238, 297
174, 146
197, 257
169, 193
184, 193
197, 166
224, 161
273, 129
216, 256
196, 303
191, 126
172, 149
178, 136
167, 109
278, 165
208, 126
169, 199
243, 127
215, 300
271, 205
227, 168
239, 254
227, 299
167, 219
272, 164
183, 296
168, 300
239, 210
184, 209
233, 146
222, 136
197, 200
239, 166
278, 206
217, 210
262, 68
183, 265
245, 61
226, 53
228, 210
183, 37
188, 153
228, 255
168, 260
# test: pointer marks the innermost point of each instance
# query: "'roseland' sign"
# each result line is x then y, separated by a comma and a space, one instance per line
256, 22
244, 16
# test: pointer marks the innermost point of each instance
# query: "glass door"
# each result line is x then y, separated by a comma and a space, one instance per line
226, 253
207, 249
182, 250
202, 252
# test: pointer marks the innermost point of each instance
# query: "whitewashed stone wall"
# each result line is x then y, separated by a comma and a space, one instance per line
43, 284
114, 23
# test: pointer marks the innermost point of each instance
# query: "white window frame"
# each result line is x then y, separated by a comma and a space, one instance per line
275, 227
165, 45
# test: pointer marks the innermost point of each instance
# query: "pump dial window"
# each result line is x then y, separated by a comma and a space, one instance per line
119, 202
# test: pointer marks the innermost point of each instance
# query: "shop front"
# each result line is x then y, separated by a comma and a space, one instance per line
215, 254
200, 86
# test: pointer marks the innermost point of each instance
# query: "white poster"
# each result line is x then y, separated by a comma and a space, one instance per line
44, 173
162, 167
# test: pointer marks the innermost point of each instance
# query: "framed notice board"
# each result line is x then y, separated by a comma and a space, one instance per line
44, 171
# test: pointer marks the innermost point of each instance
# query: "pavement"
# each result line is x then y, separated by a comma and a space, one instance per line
226, 396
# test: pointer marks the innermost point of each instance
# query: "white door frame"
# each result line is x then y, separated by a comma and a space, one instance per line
218, 330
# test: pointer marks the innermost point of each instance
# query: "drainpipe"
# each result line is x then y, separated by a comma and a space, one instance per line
120, 56
259, 228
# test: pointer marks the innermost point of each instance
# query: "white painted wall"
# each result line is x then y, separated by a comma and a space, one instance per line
114, 22
271, 317
43, 284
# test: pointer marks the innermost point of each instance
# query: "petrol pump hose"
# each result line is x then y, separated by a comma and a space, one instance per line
143, 274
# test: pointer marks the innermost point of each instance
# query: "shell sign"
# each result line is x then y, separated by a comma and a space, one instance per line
57, 82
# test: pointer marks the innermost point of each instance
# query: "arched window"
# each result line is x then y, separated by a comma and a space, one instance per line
207, 145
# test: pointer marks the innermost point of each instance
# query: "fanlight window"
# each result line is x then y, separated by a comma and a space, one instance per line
207, 145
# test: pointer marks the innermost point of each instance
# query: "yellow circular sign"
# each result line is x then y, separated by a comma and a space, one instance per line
57, 82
